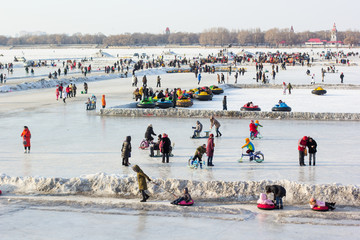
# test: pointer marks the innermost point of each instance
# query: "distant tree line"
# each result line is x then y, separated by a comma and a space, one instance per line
214, 36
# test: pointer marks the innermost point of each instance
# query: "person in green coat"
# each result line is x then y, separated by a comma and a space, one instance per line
199, 153
142, 177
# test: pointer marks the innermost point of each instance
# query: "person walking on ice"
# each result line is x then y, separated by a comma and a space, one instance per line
214, 122
26, 135
141, 178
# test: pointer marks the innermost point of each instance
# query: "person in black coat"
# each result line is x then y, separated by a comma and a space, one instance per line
174, 98
279, 192
149, 133
165, 147
312, 145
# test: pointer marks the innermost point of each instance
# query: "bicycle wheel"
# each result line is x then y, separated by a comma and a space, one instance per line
259, 157
252, 136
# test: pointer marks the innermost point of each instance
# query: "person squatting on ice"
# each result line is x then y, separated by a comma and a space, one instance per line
141, 178
279, 192
199, 153
26, 135
186, 197
126, 151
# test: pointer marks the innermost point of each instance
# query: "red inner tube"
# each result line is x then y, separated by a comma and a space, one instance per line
183, 203
266, 206
322, 208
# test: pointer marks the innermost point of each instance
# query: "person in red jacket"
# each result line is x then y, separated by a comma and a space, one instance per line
26, 135
252, 127
302, 147
210, 150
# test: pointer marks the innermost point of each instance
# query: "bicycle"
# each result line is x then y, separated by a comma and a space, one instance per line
258, 135
145, 144
194, 163
257, 156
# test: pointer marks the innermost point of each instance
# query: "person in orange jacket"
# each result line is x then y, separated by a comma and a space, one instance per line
103, 102
26, 135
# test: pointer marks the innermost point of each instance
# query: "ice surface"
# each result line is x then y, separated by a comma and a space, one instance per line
77, 153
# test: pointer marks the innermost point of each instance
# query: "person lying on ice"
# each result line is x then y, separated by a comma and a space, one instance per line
317, 203
186, 197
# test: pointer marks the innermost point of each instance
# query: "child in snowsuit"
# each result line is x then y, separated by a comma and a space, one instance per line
126, 151
249, 146
257, 125
264, 200
142, 177
317, 203
186, 197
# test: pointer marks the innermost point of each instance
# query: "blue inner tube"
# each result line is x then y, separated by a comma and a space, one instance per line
250, 109
164, 104
145, 105
203, 97
318, 92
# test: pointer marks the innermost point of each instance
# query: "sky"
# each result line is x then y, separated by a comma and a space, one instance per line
128, 16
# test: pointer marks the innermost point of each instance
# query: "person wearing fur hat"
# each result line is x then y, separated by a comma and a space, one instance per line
210, 150
126, 151
165, 147
302, 150
141, 178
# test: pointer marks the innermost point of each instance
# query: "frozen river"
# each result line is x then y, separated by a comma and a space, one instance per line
67, 141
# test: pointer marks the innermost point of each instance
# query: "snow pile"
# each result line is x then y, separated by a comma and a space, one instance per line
102, 184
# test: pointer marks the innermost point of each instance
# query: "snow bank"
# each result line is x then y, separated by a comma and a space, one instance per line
205, 113
102, 184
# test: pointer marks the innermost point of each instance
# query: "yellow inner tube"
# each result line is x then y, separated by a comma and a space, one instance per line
203, 93
216, 89
184, 100
319, 88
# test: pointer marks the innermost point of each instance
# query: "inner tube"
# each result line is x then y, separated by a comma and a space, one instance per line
256, 108
281, 109
184, 103
320, 209
318, 92
183, 203
206, 97
266, 207
0, 192
217, 90
164, 104
145, 104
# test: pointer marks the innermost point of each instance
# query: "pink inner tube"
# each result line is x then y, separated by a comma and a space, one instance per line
266, 206
183, 203
321, 208
0, 192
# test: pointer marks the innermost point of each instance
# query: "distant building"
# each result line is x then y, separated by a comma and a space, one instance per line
167, 31
318, 42
333, 36
292, 29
